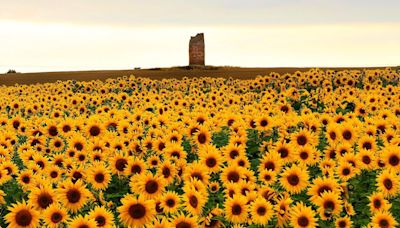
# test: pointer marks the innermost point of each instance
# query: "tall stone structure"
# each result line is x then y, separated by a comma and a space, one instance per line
196, 50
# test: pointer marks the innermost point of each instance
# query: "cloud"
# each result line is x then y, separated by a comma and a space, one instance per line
201, 13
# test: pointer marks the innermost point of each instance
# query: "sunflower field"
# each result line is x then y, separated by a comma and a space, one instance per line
318, 148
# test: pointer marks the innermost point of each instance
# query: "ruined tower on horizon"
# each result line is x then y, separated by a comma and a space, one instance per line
196, 50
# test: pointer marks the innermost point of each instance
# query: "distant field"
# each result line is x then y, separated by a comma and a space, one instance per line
157, 73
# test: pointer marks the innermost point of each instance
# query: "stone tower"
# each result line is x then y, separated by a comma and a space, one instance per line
196, 50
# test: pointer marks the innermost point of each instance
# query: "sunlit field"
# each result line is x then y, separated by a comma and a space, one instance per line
319, 148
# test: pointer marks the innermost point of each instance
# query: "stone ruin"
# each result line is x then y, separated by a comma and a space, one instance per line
196, 50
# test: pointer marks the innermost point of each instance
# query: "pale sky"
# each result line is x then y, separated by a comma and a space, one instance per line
54, 35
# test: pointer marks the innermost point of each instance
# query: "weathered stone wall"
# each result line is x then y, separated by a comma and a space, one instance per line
196, 50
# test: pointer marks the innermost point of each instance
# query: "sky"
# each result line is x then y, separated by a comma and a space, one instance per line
54, 35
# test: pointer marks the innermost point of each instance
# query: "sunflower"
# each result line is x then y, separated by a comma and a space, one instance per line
367, 143
267, 177
383, 219
321, 185
170, 202
348, 133
147, 185
302, 138
388, 183
367, 159
282, 209
343, 222
181, 220
236, 209
197, 171
232, 174
285, 151
302, 216
345, 171
95, 129
263, 123
99, 176
175, 151
202, 136
211, 158
25, 177
136, 212
52, 130
22, 215
119, 163
42, 197
135, 166
332, 133
377, 202
73, 195
261, 211
270, 161
232, 151
102, 216
55, 215
294, 179
329, 205
214, 186
391, 157
193, 202
306, 155
168, 171
81, 221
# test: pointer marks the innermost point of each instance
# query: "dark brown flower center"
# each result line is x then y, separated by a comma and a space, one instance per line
211, 162
53, 131
120, 164
44, 200
346, 171
23, 217
394, 160
233, 154
293, 179
193, 201
233, 176
263, 123
377, 203
99, 177
202, 138
367, 145
170, 202
388, 184
183, 224
283, 152
151, 186
101, 220
236, 209
73, 195
366, 159
329, 205
137, 211
301, 140
261, 211
136, 169
347, 135
270, 165
56, 217
384, 223
304, 155
303, 221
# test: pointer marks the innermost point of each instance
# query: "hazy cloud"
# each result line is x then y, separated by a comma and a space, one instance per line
201, 13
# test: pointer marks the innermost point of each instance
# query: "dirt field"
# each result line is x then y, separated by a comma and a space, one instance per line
157, 73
